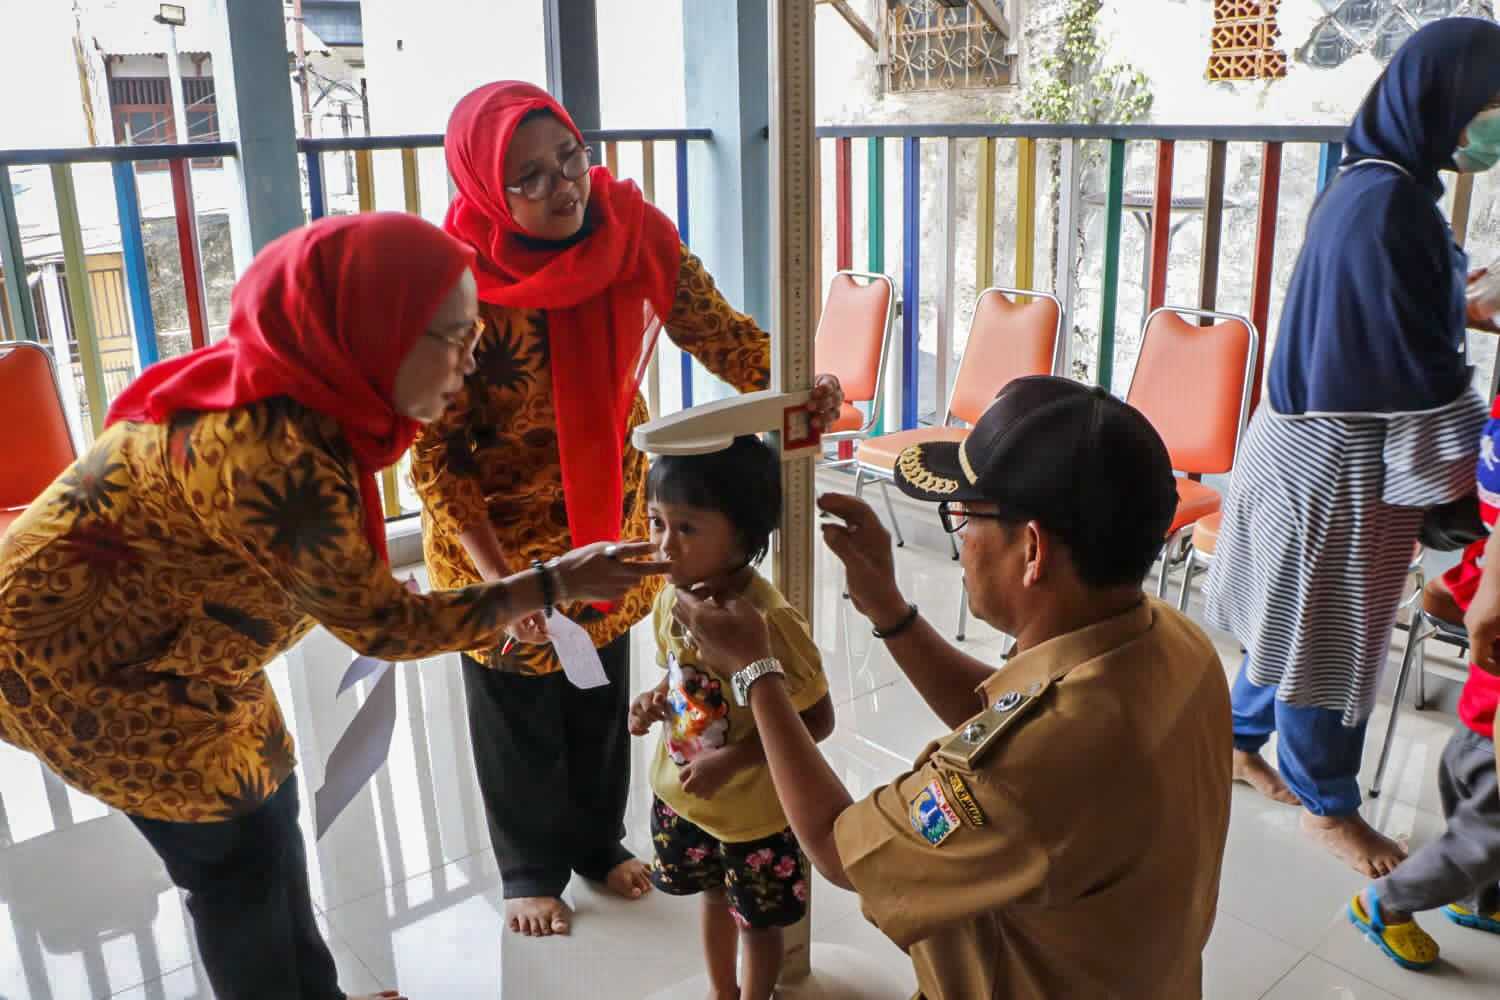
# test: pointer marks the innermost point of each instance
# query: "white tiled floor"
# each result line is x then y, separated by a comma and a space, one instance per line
410, 893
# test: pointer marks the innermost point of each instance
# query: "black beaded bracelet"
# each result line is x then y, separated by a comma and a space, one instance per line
549, 586
911, 619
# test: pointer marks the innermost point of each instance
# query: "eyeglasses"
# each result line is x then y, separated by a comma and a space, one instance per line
466, 340
540, 183
955, 517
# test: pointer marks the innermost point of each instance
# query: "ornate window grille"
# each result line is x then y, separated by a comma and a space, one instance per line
946, 45
1244, 41
1379, 27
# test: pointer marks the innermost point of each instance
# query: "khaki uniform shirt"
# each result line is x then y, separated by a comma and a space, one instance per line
1067, 841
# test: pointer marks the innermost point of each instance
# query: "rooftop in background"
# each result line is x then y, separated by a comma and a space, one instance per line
125, 32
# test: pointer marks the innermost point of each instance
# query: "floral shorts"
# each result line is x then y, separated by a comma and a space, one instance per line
765, 880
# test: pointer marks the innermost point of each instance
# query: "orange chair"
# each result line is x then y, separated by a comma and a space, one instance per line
854, 343
34, 437
1193, 383
1007, 341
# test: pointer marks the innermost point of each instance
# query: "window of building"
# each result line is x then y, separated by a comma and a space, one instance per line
142, 112
947, 45
1379, 27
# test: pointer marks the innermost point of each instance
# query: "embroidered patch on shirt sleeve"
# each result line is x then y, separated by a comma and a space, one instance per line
931, 815
965, 799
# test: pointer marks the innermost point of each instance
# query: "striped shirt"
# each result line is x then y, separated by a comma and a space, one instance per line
1317, 537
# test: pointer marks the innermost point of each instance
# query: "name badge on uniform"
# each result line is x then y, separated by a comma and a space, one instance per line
931, 815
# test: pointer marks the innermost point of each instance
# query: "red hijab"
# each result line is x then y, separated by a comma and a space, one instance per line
605, 296
325, 315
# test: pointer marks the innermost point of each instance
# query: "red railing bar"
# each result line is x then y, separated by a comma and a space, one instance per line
844, 185
187, 246
1161, 223
1265, 256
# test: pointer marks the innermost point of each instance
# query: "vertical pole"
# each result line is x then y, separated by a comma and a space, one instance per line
17, 292
683, 230
1070, 205
1161, 225
79, 301
1025, 213
793, 187
413, 189
1213, 227
1265, 258
911, 283
133, 249
364, 169
945, 312
187, 246
1329, 157
300, 42
984, 252
317, 193
844, 202
1113, 217
174, 80
571, 31
1463, 203
875, 223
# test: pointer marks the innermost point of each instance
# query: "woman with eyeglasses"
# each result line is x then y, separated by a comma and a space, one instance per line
577, 272
230, 506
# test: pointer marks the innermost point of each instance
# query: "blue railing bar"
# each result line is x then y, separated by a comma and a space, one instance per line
911, 291
118, 154
434, 140
317, 198
1329, 158
133, 249
1177, 133
13, 256
683, 232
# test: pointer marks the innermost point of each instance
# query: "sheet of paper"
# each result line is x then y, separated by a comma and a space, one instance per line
580, 660
362, 667
360, 752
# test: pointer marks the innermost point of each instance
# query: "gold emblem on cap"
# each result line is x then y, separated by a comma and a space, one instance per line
923, 478
963, 461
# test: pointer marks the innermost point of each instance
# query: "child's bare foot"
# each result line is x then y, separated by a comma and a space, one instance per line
538, 916
1355, 842
628, 879
1251, 769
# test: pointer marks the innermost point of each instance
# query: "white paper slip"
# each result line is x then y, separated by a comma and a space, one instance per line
360, 752
362, 667
575, 649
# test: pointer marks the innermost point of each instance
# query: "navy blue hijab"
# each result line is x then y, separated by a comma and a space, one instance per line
1374, 320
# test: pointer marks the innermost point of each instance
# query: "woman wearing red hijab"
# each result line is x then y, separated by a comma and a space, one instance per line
229, 507
577, 272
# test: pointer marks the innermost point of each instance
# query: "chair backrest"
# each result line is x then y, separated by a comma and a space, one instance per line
854, 333
1193, 383
34, 439
1007, 341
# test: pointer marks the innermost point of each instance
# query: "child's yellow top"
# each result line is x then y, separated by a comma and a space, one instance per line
706, 717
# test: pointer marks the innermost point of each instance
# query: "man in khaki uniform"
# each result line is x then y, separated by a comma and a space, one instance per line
1065, 840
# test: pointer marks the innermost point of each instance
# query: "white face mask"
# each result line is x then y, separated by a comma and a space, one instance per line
1481, 151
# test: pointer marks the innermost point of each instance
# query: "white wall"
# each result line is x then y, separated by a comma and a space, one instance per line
39, 76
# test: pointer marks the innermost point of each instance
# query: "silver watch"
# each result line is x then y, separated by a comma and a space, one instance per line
742, 681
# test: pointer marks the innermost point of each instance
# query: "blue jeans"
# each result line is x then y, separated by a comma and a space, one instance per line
1318, 755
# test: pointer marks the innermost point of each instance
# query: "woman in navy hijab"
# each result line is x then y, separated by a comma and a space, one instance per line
1369, 421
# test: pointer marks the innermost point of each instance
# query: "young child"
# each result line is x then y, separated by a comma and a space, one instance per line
716, 824
1460, 871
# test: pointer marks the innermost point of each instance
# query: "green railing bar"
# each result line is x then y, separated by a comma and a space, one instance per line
17, 293
876, 220
79, 300
1113, 216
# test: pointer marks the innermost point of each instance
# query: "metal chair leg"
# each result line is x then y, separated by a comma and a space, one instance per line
1161, 580
890, 508
963, 615
1414, 640
1188, 568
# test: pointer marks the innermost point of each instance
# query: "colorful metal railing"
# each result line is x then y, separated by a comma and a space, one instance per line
80, 307
1271, 141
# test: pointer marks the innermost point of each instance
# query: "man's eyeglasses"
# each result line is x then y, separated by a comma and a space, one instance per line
540, 183
955, 516
465, 339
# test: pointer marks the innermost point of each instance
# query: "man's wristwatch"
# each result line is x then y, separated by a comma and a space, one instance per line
742, 680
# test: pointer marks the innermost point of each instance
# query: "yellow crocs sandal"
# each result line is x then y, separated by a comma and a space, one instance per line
1464, 917
1408, 945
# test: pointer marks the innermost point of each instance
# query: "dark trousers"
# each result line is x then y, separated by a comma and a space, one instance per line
1463, 865
554, 771
246, 880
